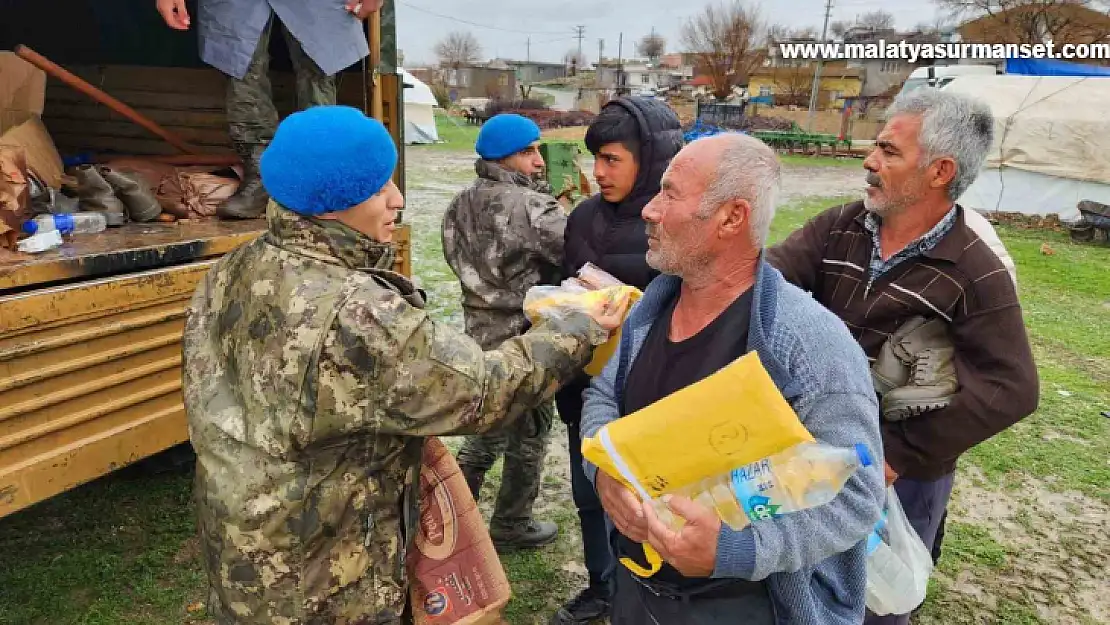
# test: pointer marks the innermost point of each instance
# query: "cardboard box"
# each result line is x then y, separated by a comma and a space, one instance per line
457, 578
22, 97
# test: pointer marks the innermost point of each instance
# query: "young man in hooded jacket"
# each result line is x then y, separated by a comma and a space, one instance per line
632, 140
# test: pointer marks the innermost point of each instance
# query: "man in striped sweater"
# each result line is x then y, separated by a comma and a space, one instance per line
907, 251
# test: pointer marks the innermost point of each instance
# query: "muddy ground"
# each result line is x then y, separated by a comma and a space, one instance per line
1018, 554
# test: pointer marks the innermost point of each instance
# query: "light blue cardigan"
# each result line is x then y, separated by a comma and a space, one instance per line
814, 560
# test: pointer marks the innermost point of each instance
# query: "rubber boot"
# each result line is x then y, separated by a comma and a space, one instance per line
250, 200
142, 205
96, 194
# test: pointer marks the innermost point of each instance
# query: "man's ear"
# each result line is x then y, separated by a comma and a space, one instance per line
944, 172
736, 216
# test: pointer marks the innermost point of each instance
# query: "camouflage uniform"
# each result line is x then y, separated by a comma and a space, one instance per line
253, 119
501, 236
310, 374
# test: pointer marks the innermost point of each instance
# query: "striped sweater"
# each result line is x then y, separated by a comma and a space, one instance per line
960, 280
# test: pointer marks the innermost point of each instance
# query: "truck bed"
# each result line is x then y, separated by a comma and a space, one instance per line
129, 248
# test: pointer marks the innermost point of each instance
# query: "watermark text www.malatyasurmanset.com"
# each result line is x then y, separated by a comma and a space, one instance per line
913, 52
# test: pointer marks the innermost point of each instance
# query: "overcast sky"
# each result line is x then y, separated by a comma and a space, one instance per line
504, 26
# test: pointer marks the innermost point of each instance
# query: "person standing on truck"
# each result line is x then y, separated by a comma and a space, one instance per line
324, 37
501, 236
632, 141
312, 372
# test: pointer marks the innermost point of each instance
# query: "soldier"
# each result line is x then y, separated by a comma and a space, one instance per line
501, 236
323, 37
311, 372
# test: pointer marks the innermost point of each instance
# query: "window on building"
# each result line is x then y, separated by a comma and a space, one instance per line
765, 91
503, 80
645, 79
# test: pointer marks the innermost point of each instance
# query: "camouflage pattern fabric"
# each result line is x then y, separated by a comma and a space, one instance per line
251, 115
501, 236
311, 372
524, 443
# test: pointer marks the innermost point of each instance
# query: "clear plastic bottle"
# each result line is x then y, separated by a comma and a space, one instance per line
898, 568
70, 223
801, 477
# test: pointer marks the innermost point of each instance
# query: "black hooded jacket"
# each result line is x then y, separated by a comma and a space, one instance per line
613, 236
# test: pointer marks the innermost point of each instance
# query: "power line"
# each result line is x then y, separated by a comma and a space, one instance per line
581, 30
459, 19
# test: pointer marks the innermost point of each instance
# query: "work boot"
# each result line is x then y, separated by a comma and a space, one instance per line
474, 479
250, 199
931, 386
96, 194
891, 368
592, 604
533, 534
142, 205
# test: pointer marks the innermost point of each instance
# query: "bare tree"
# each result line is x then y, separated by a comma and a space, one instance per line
839, 28
458, 49
728, 40
574, 61
652, 46
792, 85
876, 20
1030, 21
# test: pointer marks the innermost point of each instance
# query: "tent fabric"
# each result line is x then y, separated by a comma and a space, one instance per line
1055, 126
1051, 67
1028, 193
420, 103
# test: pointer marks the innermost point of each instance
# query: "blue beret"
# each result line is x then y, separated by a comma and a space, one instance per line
327, 158
504, 135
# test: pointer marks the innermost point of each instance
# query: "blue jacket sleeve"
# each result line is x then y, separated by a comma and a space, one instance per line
599, 406
803, 539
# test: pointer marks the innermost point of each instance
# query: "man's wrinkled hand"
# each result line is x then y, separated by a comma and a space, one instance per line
623, 506
174, 13
691, 550
365, 8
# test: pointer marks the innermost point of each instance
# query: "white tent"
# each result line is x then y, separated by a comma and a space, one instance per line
420, 103
1051, 147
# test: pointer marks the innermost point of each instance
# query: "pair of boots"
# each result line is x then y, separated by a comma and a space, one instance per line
251, 198
120, 197
915, 371
528, 536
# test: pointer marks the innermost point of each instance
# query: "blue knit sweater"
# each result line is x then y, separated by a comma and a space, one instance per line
813, 561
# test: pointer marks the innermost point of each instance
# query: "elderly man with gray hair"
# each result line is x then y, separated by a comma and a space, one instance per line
716, 300
930, 303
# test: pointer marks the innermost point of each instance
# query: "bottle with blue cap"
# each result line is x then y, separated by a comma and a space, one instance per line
87, 222
800, 477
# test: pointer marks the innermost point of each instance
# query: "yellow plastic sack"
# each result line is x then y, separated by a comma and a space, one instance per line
731, 418
549, 301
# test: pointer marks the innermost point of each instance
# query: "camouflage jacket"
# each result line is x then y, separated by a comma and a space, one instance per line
501, 236
310, 373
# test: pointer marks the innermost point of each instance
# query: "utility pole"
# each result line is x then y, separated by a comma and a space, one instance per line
581, 33
529, 57
620, 62
817, 71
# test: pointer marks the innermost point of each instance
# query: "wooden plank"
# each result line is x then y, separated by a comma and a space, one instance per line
76, 144
95, 112
128, 130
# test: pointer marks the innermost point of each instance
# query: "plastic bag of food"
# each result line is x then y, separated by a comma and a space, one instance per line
591, 290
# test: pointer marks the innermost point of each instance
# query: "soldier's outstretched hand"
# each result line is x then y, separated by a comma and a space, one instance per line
611, 314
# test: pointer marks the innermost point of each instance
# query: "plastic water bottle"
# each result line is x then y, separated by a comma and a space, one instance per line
71, 223
898, 568
804, 476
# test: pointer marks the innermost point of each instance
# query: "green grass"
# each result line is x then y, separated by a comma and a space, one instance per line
122, 550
